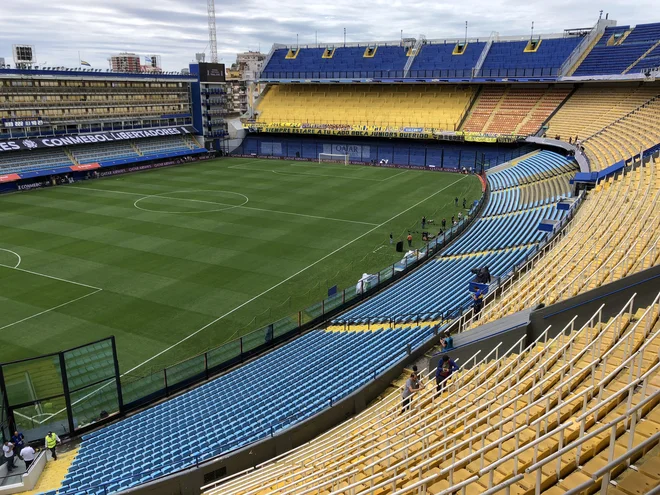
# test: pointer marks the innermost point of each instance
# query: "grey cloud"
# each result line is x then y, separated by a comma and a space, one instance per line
177, 29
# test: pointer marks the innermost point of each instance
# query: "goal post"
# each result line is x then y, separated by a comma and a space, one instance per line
333, 158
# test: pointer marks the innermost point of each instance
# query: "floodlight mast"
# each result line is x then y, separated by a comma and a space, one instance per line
213, 39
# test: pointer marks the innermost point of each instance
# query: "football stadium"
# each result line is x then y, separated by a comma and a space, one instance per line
420, 266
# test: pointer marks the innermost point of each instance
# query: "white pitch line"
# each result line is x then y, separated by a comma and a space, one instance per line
395, 175
289, 278
237, 167
15, 254
51, 309
51, 277
226, 204
255, 297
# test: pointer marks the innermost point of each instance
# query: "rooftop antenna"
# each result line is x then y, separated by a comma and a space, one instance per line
466, 26
600, 16
213, 39
344, 37
531, 36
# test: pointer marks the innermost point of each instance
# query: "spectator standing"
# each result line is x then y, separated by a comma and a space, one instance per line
409, 239
19, 442
424, 222
52, 440
477, 303
464, 203
453, 220
444, 224
446, 367
8, 450
28, 454
412, 385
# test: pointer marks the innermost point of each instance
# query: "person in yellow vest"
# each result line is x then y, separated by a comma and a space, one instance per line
52, 441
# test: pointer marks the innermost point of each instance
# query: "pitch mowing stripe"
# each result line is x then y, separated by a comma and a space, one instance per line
261, 294
145, 196
290, 277
51, 309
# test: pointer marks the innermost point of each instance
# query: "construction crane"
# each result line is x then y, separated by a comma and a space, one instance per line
213, 39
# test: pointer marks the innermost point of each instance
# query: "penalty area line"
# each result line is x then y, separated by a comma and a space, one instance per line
51, 277
51, 309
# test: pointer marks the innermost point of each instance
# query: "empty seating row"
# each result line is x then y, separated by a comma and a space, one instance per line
592, 108
543, 165
438, 287
517, 424
548, 54
431, 107
49, 159
171, 144
619, 48
627, 137
25, 161
505, 231
615, 233
532, 195
98, 153
541, 57
239, 407
513, 111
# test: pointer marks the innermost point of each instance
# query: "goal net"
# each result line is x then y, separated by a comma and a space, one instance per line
333, 157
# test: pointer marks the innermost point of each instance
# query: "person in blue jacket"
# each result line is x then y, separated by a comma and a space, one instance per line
446, 367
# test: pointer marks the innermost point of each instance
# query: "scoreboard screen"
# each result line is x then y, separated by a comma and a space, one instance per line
211, 72
23, 54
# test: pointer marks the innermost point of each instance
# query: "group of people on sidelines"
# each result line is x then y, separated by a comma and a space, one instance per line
446, 367
17, 447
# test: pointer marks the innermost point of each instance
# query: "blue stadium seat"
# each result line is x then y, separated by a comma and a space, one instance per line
502, 237
242, 406
610, 57
509, 59
347, 62
268, 395
436, 60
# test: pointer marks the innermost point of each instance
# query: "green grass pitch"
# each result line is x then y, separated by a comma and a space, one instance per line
204, 252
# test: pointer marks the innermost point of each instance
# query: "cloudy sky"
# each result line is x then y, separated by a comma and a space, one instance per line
177, 29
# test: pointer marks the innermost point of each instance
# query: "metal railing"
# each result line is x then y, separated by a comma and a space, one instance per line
571, 283
580, 49
567, 373
466, 419
421, 40
494, 35
507, 281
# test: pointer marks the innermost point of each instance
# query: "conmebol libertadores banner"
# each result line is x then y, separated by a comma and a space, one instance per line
97, 137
